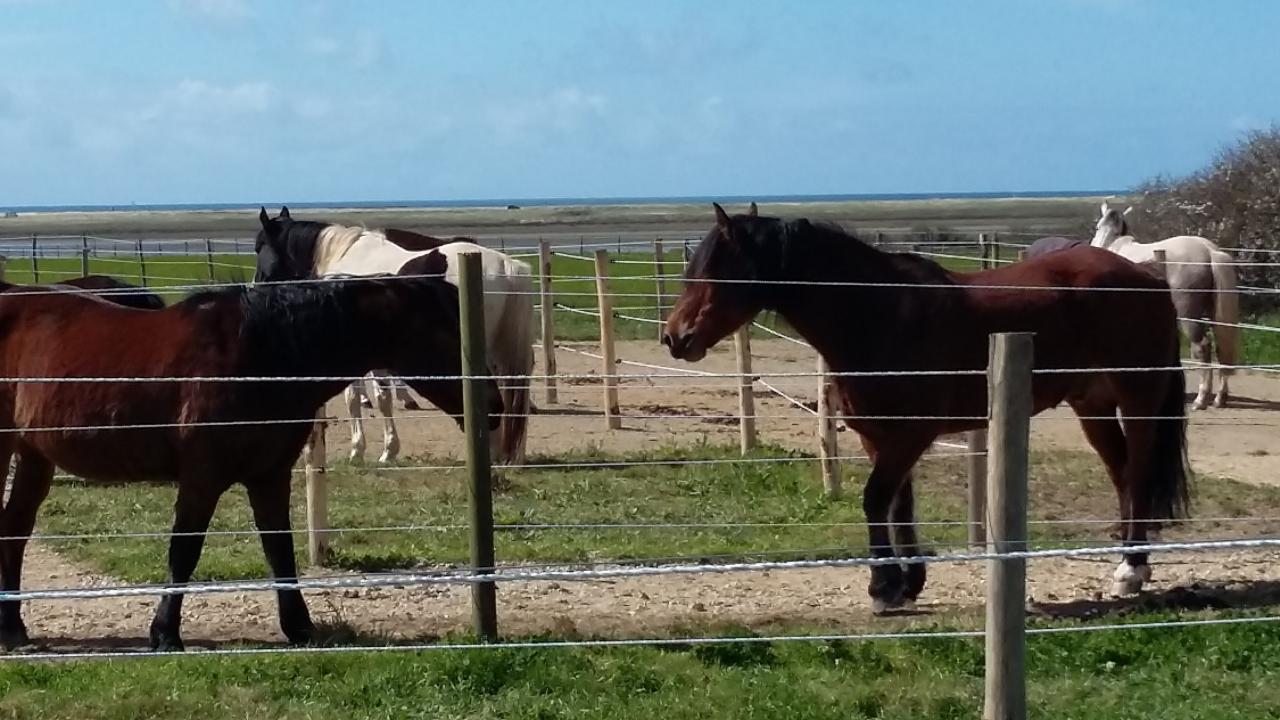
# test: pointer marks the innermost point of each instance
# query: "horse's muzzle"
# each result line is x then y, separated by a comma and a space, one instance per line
683, 346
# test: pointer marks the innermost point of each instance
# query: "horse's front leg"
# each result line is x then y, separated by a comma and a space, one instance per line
889, 587
905, 538
269, 498
197, 499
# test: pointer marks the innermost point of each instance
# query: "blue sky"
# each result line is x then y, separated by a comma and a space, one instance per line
244, 101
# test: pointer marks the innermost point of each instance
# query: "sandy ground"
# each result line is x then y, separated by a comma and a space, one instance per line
1235, 442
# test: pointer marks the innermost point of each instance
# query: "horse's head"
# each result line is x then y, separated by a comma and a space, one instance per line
284, 247
1111, 225
720, 294
423, 333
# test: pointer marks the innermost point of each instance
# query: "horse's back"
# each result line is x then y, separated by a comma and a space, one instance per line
1050, 244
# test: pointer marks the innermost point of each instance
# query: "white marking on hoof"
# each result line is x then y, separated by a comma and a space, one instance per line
1129, 579
907, 606
879, 607
1220, 401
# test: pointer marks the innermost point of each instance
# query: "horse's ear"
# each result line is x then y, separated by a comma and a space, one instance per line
284, 213
264, 218
1105, 207
722, 218
1127, 210
753, 211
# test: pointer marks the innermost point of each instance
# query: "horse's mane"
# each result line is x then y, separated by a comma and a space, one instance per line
846, 244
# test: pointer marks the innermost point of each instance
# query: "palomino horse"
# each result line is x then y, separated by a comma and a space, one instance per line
187, 431
1203, 281
869, 311
289, 249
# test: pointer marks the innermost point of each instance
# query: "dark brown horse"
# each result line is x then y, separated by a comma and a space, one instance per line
899, 312
109, 289
338, 329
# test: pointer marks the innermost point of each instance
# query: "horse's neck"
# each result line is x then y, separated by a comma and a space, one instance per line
825, 314
369, 253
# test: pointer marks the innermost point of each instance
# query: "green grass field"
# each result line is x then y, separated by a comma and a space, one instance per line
1202, 673
1065, 485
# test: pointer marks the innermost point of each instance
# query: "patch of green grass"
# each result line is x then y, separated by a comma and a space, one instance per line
1176, 674
1065, 485
161, 270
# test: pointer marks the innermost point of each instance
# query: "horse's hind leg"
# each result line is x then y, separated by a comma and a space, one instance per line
406, 399
31, 483
905, 540
353, 395
390, 437
197, 499
1202, 351
269, 498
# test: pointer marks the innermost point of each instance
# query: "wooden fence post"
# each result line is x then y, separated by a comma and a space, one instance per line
84, 255
659, 276
1009, 393
208, 256
142, 263
548, 313
1160, 268
976, 441
994, 243
315, 458
35, 261
484, 609
1022, 255
746, 400
3, 261
609, 364
828, 449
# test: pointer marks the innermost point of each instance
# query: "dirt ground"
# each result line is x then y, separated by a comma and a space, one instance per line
1234, 442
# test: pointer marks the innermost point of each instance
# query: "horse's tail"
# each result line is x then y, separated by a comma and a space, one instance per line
1171, 468
515, 356
1226, 310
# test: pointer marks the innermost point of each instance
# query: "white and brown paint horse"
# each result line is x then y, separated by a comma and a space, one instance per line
1202, 279
289, 249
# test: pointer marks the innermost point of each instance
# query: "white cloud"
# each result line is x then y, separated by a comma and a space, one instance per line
364, 49
246, 97
216, 11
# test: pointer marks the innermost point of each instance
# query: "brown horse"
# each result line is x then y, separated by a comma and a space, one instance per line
117, 291
901, 312
338, 329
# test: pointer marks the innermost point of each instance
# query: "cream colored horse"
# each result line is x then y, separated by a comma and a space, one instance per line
1202, 280
509, 323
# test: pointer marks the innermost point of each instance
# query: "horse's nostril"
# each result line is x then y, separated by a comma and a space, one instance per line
666, 339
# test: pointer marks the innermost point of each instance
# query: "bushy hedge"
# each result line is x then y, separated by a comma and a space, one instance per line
1235, 202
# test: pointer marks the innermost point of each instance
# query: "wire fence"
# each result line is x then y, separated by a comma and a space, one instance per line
787, 384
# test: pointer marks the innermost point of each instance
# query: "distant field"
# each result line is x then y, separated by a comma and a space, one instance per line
968, 215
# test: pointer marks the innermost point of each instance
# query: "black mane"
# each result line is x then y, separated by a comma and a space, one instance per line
296, 242
310, 327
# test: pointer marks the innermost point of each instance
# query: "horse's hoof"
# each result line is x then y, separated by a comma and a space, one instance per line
301, 635
881, 606
1220, 402
166, 642
1128, 579
14, 638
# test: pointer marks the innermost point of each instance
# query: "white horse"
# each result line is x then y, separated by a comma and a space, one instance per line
1194, 266
289, 248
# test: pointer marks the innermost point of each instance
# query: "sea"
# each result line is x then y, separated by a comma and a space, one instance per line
537, 202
